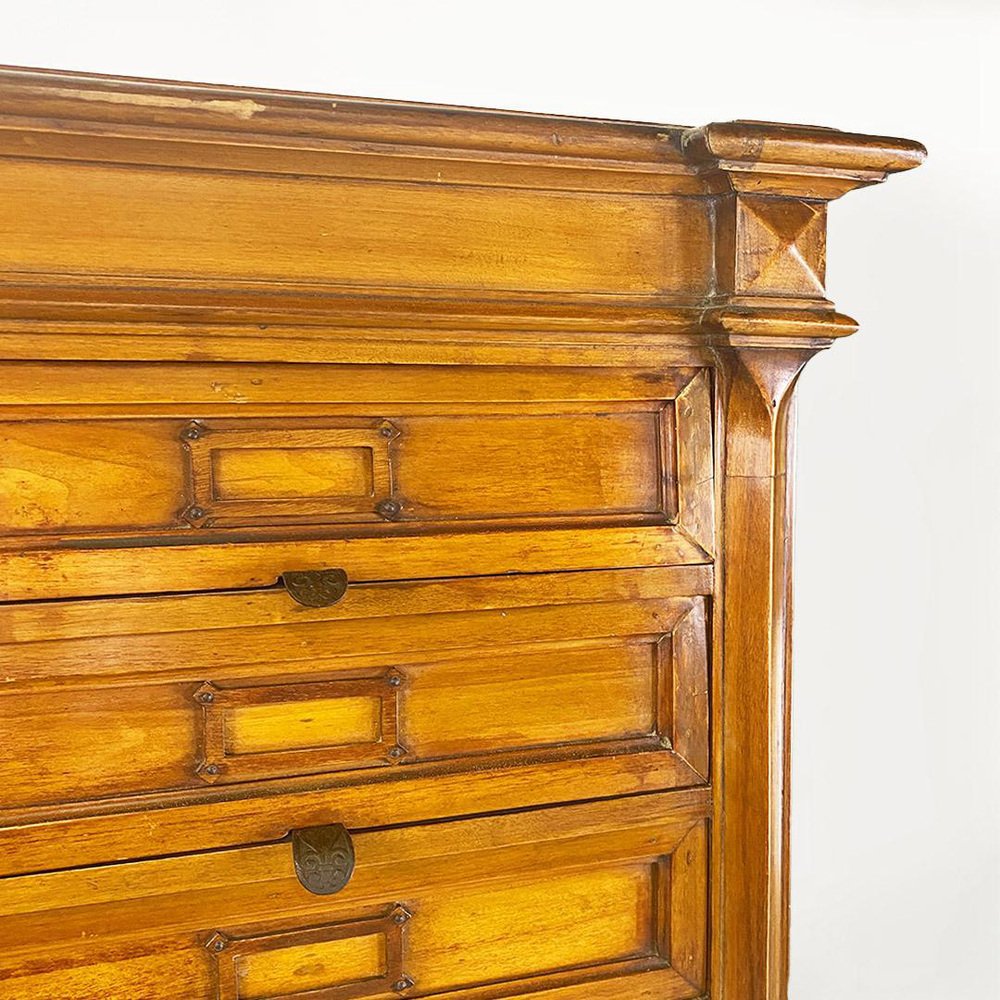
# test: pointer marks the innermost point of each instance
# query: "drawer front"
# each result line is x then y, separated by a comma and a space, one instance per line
177, 696
615, 465
122, 476
596, 901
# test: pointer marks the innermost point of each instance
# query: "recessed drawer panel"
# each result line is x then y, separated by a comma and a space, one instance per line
174, 696
614, 468
591, 902
81, 477
241, 472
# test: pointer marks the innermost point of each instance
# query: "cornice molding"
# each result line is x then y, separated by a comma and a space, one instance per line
167, 108
804, 161
356, 213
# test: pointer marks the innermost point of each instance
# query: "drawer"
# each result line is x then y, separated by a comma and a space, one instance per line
156, 478
589, 902
408, 699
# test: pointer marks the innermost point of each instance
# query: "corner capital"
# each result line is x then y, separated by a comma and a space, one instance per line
772, 184
802, 161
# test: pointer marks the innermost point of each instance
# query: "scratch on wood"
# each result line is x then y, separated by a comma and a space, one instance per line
230, 391
238, 109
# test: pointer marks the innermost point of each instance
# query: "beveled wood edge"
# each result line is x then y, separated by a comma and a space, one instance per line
659, 984
803, 145
54, 98
501, 331
674, 811
50, 99
796, 160
48, 573
90, 617
596, 982
621, 768
195, 828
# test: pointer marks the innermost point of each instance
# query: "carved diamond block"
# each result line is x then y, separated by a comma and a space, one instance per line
780, 247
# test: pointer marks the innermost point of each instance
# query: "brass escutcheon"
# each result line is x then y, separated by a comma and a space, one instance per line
316, 588
323, 857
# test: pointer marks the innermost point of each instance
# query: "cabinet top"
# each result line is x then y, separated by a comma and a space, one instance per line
141, 201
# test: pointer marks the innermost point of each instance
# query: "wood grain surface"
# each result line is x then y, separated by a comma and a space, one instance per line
526, 383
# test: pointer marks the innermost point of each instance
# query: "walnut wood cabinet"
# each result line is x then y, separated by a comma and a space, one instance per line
395, 543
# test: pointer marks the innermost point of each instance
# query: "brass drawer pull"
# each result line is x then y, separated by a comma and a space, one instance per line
316, 588
323, 857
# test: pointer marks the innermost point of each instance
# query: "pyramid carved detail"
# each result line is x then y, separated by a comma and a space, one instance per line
781, 247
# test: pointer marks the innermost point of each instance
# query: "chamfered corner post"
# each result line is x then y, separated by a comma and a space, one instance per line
768, 316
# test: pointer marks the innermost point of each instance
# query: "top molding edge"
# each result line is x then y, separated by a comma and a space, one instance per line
51, 98
804, 160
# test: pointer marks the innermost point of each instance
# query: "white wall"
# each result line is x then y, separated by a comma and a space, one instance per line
897, 758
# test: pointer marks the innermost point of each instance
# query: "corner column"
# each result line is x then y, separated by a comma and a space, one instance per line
769, 315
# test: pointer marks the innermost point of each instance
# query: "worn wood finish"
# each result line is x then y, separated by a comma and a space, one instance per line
526, 383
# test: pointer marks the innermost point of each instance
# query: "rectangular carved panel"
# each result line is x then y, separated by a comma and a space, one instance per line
277, 729
293, 472
549, 936
407, 471
611, 920
243, 473
544, 696
339, 961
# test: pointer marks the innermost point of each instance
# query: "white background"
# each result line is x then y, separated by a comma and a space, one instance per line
896, 856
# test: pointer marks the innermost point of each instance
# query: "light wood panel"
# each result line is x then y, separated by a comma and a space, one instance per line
184, 223
302, 725
306, 968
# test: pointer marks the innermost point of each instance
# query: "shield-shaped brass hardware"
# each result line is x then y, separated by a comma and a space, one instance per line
323, 858
316, 588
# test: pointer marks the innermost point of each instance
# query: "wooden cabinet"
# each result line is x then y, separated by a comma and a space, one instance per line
394, 553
